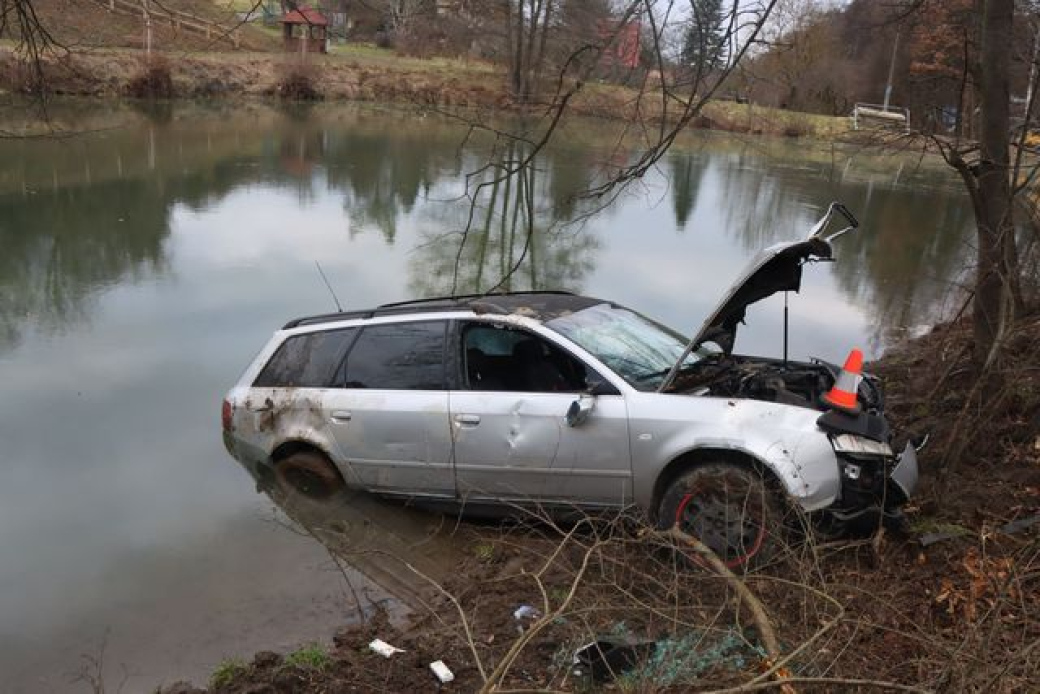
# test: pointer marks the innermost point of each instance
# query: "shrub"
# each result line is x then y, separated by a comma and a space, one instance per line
298, 84
153, 82
311, 657
227, 672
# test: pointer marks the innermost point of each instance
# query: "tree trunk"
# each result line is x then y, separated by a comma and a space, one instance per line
539, 58
516, 41
994, 306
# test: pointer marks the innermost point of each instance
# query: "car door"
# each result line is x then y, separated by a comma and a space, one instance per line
286, 400
508, 421
389, 411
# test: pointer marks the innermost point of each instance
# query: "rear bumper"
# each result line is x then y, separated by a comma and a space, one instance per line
252, 459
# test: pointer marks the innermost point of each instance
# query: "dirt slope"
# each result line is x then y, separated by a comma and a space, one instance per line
81, 24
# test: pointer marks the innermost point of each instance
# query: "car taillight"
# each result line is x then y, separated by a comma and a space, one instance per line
227, 412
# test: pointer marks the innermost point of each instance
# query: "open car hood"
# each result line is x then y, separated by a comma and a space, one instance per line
775, 269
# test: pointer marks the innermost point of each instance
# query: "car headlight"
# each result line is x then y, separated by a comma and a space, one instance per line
858, 445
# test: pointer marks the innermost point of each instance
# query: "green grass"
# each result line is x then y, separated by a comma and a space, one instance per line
922, 526
368, 54
484, 552
309, 657
226, 672
800, 123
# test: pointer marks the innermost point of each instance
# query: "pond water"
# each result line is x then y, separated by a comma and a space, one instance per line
143, 264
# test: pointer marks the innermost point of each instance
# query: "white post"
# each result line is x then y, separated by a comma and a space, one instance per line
147, 27
891, 70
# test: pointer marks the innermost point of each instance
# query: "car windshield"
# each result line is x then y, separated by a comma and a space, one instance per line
636, 348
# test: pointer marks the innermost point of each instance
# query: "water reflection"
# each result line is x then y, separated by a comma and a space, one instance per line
394, 554
60, 246
900, 273
85, 214
510, 233
686, 175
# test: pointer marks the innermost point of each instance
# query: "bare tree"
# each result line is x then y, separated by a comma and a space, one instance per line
993, 179
19, 21
963, 58
664, 103
990, 188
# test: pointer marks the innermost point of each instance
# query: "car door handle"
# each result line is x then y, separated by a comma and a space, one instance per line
340, 416
471, 420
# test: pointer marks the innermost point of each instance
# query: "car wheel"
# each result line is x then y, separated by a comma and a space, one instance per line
308, 473
728, 508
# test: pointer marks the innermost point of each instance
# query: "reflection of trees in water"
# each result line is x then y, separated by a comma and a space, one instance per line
687, 174
517, 236
60, 247
768, 200
63, 244
910, 246
380, 175
383, 176
907, 257
101, 207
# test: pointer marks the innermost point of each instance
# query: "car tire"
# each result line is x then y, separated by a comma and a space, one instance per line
308, 473
727, 507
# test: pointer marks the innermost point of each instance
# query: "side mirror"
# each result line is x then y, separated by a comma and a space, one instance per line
602, 388
580, 410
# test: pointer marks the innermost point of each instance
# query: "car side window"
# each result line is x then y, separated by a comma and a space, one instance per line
505, 359
306, 361
397, 356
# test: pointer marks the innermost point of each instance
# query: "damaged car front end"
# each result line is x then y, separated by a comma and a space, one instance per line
876, 480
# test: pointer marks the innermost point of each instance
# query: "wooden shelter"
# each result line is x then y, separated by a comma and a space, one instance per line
304, 30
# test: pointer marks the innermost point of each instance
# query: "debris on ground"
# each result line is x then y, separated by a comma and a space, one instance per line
607, 659
383, 648
526, 612
441, 671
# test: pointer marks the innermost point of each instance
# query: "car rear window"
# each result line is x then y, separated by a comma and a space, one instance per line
398, 356
306, 361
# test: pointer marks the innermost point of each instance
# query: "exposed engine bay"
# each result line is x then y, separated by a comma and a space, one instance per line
791, 383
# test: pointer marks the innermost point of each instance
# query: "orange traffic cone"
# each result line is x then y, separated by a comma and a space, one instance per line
843, 395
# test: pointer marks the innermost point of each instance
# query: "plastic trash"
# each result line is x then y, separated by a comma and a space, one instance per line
607, 658
1017, 526
441, 671
526, 612
384, 649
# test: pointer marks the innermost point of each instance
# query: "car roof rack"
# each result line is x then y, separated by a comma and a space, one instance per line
440, 303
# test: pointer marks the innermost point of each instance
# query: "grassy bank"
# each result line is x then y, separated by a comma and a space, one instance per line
366, 73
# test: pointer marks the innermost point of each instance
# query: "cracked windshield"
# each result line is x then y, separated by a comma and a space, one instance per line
473, 346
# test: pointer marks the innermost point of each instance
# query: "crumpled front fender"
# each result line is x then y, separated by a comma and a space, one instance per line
783, 439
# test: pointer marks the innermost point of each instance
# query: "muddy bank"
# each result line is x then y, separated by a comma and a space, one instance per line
365, 75
952, 605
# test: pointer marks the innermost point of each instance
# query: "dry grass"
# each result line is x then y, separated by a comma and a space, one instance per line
851, 616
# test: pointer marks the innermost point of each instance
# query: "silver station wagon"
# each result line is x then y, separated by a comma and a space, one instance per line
565, 402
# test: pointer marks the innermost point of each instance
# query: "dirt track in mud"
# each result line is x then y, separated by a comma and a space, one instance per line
954, 605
